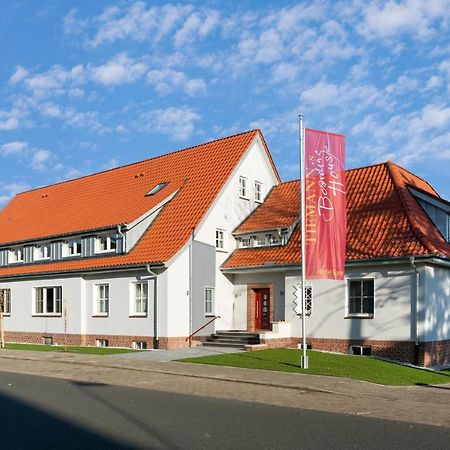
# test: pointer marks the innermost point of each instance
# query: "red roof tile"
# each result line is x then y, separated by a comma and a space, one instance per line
383, 219
118, 196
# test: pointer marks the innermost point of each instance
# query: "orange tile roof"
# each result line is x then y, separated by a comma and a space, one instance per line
117, 196
383, 219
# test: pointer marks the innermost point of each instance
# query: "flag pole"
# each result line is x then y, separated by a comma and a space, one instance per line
304, 358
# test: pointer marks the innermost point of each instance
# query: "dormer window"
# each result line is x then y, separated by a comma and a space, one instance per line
106, 243
259, 241
17, 255
273, 239
156, 189
246, 242
72, 248
43, 251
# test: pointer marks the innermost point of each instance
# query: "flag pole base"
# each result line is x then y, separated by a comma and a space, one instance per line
304, 362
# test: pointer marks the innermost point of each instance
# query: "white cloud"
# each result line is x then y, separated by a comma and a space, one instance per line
119, 70
402, 85
166, 81
13, 148
40, 158
50, 109
20, 74
198, 24
284, 72
72, 24
10, 120
391, 18
137, 22
177, 123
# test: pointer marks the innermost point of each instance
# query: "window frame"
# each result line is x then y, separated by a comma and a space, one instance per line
220, 239
258, 193
243, 187
7, 304
66, 251
108, 240
98, 299
14, 255
56, 301
211, 301
40, 257
133, 300
360, 315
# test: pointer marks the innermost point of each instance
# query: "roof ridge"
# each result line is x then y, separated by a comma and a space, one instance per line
139, 162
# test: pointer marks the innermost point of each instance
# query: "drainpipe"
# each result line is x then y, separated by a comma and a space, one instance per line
412, 262
155, 306
124, 238
190, 286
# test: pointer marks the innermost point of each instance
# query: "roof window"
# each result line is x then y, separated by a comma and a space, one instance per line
156, 189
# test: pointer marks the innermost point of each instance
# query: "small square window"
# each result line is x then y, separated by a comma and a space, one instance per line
246, 242
72, 248
17, 255
43, 251
139, 345
102, 343
106, 243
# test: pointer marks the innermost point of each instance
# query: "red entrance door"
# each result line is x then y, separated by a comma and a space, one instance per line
262, 309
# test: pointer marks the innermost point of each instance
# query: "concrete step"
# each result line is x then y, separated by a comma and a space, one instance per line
223, 344
233, 341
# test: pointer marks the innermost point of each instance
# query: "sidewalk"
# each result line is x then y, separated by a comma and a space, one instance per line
425, 404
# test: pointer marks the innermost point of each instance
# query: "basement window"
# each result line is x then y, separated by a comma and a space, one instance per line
360, 350
101, 342
139, 345
156, 189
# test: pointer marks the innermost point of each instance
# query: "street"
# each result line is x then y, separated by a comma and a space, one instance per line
43, 413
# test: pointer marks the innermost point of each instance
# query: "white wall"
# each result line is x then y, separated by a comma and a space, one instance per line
436, 311
22, 298
227, 212
392, 315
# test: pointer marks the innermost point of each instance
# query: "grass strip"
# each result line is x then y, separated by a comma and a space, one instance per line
347, 366
69, 349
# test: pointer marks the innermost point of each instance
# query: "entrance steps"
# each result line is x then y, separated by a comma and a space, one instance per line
232, 338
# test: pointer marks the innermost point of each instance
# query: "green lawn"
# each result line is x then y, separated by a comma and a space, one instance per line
69, 349
347, 366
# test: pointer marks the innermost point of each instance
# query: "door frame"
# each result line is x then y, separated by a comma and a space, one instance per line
251, 304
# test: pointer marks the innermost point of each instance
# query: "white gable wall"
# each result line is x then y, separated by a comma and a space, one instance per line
227, 212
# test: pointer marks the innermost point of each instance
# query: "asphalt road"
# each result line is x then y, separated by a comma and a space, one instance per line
48, 413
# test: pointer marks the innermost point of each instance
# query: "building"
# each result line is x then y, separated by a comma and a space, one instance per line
395, 300
147, 254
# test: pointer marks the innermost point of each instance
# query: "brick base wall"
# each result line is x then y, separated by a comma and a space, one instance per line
90, 339
428, 353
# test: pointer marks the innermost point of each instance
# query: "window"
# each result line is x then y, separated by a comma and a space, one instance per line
106, 243
102, 303
17, 255
48, 300
140, 299
259, 241
242, 187
246, 242
101, 342
258, 192
272, 239
209, 301
43, 251
73, 248
5, 301
360, 298
156, 189
220, 244
139, 345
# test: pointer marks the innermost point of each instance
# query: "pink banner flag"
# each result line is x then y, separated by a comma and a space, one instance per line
326, 210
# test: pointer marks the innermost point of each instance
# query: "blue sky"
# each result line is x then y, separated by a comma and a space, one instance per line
90, 85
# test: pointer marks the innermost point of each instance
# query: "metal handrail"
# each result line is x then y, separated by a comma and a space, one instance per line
201, 328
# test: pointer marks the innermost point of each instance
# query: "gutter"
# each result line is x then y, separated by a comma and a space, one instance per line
124, 238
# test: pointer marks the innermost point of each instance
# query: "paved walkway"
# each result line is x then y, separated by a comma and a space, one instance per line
173, 355
417, 404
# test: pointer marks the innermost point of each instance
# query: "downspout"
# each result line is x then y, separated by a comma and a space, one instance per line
190, 286
124, 238
155, 306
412, 262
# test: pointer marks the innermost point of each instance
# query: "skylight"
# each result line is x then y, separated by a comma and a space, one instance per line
156, 189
